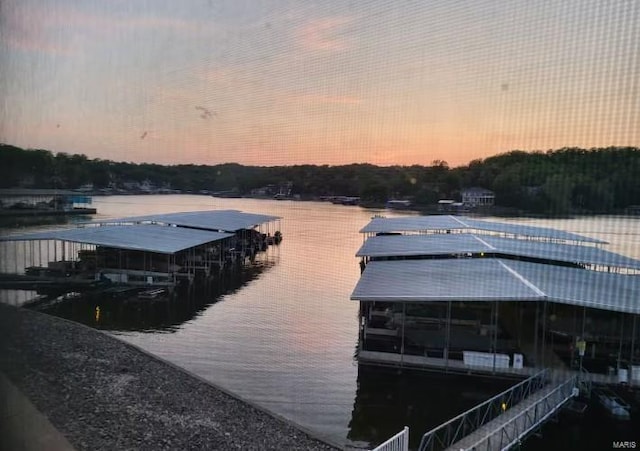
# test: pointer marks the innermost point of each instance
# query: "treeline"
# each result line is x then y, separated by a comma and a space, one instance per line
562, 181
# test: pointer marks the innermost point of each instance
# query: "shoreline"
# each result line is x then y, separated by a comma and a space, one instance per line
103, 393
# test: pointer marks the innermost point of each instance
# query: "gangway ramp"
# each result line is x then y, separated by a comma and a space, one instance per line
505, 419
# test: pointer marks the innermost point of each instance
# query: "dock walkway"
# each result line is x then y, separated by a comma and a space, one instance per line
518, 421
416, 361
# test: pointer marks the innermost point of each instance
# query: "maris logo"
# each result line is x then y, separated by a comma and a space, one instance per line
624, 445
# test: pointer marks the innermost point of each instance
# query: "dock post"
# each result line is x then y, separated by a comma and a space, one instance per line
535, 333
584, 319
620, 344
404, 313
544, 332
495, 336
448, 338
633, 339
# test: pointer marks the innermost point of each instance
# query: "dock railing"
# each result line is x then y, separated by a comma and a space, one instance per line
458, 427
517, 428
399, 442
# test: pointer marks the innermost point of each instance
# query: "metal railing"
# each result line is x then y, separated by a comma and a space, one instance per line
399, 442
517, 428
458, 427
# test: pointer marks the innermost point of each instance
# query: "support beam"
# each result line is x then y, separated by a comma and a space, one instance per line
404, 314
495, 335
544, 332
633, 340
620, 344
582, 337
535, 334
447, 343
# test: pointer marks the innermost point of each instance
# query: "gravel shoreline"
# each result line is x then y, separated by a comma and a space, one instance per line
104, 394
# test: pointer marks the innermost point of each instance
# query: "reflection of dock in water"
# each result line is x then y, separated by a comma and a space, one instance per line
121, 309
387, 400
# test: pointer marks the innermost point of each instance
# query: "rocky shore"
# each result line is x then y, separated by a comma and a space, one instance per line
104, 394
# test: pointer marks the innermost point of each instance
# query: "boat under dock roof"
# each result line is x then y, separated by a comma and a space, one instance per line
139, 237
492, 279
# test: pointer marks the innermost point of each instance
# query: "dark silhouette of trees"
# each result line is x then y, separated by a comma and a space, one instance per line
567, 180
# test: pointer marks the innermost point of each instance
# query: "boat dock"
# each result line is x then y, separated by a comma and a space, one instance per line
458, 294
44, 202
153, 251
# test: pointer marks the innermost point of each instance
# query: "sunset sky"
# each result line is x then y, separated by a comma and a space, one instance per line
332, 82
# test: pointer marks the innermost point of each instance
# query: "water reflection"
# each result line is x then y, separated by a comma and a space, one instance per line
387, 399
164, 315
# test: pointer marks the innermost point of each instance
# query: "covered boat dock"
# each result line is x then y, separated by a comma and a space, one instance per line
158, 250
484, 302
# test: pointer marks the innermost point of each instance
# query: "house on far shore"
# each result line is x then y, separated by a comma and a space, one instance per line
478, 197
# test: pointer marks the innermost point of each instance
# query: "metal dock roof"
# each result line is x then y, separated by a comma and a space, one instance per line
219, 220
495, 280
442, 222
460, 243
140, 237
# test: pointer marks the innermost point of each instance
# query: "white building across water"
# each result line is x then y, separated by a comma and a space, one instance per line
462, 294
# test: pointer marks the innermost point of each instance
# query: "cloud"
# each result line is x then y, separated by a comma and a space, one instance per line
28, 29
324, 34
51, 28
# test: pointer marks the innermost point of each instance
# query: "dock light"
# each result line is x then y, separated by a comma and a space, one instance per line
481, 254
504, 406
97, 313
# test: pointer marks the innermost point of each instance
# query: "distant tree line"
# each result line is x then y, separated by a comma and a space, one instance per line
568, 180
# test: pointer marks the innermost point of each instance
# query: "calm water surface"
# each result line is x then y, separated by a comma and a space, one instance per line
285, 333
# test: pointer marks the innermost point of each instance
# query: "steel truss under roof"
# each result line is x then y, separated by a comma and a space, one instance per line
139, 237
462, 223
494, 279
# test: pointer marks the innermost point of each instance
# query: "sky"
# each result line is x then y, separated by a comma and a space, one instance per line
304, 82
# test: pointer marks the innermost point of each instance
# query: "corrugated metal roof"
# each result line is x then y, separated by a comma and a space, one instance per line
527, 230
442, 222
496, 280
223, 220
151, 238
413, 224
435, 280
594, 289
458, 243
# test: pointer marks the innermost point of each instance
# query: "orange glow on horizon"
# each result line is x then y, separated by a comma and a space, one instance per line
389, 85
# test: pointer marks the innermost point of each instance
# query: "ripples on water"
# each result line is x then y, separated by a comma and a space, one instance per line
284, 334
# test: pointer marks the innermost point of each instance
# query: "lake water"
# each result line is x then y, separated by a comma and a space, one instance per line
284, 334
